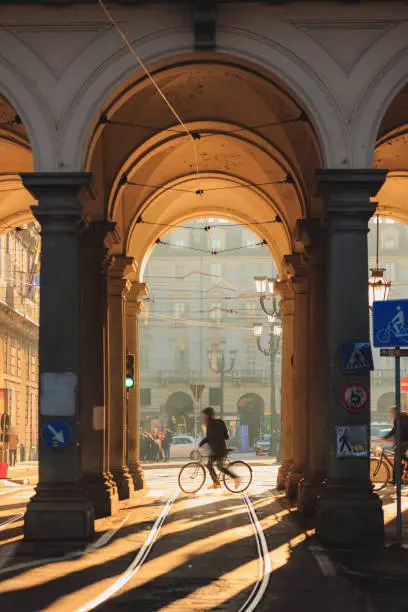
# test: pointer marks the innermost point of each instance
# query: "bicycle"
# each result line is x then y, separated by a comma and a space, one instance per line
192, 476
382, 467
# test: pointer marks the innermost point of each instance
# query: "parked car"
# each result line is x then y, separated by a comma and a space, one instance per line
262, 444
183, 446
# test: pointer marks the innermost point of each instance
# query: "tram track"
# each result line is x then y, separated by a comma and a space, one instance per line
257, 591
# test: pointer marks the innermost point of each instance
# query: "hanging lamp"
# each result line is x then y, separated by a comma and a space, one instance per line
378, 286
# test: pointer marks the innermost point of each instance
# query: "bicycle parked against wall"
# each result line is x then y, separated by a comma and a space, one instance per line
193, 475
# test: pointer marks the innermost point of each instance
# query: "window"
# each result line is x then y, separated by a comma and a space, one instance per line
13, 356
179, 309
214, 396
145, 397
144, 357
179, 240
216, 311
215, 270
250, 355
180, 357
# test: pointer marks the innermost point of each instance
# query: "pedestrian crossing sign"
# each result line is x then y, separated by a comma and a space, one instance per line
357, 357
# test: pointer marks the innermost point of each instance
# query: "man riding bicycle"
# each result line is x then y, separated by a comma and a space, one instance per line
404, 433
217, 434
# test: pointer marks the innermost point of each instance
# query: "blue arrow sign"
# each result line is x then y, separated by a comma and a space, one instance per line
390, 323
56, 434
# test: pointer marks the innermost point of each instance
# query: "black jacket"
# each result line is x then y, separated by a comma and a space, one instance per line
404, 428
217, 434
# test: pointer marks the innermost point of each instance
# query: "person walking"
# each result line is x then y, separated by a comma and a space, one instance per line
166, 444
13, 445
216, 437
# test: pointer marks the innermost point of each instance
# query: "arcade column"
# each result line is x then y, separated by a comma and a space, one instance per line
312, 234
61, 508
134, 308
287, 308
349, 514
93, 401
118, 288
298, 270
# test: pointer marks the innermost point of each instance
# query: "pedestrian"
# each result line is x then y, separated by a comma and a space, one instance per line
13, 445
403, 434
216, 436
166, 444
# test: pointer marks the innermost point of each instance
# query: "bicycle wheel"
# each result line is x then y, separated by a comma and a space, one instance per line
191, 477
244, 473
379, 473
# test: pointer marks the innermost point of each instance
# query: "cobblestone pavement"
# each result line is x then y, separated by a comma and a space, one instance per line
205, 557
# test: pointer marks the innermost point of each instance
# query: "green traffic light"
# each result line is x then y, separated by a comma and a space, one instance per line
129, 382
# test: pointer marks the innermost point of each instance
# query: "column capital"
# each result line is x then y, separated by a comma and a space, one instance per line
134, 299
298, 270
55, 191
311, 236
347, 193
118, 275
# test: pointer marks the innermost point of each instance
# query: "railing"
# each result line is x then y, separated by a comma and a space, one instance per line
263, 376
179, 376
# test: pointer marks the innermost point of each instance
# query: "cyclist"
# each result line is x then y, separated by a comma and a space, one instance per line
404, 433
217, 434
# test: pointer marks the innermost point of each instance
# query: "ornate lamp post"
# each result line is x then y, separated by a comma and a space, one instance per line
265, 289
275, 333
219, 364
378, 286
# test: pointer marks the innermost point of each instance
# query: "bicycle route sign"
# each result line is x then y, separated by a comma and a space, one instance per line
390, 323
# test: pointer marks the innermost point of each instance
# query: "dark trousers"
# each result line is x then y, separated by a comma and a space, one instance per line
219, 462
166, 451
13, 457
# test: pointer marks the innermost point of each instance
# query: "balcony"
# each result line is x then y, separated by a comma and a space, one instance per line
242, 376
185, 376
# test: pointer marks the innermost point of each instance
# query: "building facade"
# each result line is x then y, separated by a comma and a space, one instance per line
198, 305
19, 312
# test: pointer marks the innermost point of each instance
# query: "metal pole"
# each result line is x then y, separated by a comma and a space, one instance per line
398, 441
195, 414
273, 408
222, 390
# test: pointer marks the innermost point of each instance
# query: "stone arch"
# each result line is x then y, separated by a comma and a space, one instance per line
244, 46
251, 408
179, 406
375, 103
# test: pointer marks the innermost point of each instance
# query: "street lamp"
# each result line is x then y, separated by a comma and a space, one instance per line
217, 362
264, 286
275, 333
378, 286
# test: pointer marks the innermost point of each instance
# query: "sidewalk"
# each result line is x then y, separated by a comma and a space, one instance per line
25, 472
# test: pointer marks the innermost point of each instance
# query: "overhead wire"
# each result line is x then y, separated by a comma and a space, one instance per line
154, 83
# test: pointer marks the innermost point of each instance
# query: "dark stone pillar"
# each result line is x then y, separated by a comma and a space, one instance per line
93, 402
299, 276
134, 307
61, 508
349, 514
118, 287
287, 308
311, 233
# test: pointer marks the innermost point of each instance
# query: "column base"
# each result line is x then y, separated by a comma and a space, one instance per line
349, 518
283, 474
103, 494
308, 494
59, 513
137, 475
292, 485
123, 481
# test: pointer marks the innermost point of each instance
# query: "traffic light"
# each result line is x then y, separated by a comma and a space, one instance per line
130, 371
